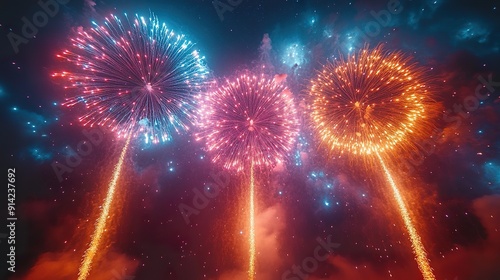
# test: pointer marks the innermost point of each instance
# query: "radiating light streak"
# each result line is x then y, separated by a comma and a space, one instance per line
416, 242
251, 241
102, 221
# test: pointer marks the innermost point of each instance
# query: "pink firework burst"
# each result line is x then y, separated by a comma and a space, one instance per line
248, 119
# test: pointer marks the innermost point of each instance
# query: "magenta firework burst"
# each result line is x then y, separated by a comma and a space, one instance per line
134, 75
248, 119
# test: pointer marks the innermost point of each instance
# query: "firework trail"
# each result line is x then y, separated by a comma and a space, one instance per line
136, 77
100, 225
251, 264
370, 104
249, 122
417, 246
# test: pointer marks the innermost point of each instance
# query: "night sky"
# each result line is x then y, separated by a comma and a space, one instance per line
453, 187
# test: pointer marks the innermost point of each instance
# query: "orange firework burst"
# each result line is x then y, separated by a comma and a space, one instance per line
372, 103
375, 101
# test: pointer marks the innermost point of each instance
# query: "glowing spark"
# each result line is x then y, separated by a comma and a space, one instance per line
417, 246
103, 218
251, 267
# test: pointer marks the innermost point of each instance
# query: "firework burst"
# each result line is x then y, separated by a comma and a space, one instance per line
247, 123
136, 76
371, 104
248, 119
374, 101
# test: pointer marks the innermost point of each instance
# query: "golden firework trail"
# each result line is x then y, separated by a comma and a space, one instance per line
376, 102
251, 238
100, 226
248, 121
416, 242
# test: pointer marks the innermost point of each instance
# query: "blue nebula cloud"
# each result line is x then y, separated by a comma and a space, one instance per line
40, 155
294, 55
492, 175
473, 31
